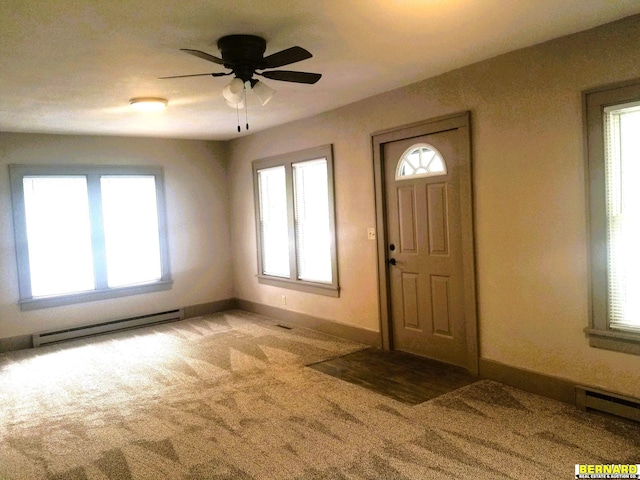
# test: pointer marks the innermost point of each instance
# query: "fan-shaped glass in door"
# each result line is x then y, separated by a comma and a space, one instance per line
420, 160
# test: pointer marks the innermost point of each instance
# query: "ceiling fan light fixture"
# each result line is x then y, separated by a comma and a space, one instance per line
239, 104
148, 104
263, 92
233, 91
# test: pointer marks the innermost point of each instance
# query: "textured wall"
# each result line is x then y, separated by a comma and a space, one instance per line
197, 214
529, 187
531, 225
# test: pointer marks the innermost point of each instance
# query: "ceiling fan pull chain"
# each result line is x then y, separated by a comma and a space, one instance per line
238, 116
246, 108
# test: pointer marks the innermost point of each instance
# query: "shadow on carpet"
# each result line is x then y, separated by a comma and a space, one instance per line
404, 377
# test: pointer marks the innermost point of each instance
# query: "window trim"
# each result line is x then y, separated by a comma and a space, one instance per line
287, 160
92, 173
599, 331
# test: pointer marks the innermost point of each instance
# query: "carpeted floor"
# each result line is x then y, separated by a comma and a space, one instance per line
229, 397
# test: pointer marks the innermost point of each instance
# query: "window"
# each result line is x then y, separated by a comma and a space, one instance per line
613, 123
88, 233
295, 221
420, 160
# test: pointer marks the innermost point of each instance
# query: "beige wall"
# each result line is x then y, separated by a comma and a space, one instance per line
197, 215
529, 192
530, 206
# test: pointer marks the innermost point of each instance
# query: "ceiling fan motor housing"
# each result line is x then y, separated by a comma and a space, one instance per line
243, 54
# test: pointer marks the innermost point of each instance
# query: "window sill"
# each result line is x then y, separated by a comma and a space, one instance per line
309, 287
616, 340
93, 295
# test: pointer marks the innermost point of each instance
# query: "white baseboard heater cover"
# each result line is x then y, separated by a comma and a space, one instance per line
611, 403
54, 336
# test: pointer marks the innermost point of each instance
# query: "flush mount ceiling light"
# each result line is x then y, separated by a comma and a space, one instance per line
244, 56
148, 104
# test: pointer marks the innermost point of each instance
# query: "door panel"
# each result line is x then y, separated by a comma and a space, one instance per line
426, 284
440, 305
407, 218
410, 310
437, 221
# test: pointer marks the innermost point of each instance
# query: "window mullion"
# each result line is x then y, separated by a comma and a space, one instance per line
293, 248
332, 222
97, 232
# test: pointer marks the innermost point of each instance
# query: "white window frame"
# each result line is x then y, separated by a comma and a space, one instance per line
93, 173
416, 146
601, 332
331, 289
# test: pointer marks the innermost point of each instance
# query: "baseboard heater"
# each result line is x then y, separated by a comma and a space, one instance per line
45, 338
611, 403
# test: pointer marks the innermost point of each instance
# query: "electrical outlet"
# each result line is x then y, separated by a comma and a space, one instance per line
284, 299
371, 233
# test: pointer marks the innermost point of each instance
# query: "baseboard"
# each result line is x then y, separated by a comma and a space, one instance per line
24, 341
15, 343
532, 382
329, 327
209, 308
529, 381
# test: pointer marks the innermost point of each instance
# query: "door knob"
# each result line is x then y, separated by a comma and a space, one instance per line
392, 261
392, 247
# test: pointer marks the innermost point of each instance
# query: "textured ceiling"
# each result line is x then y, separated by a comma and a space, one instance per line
71, 66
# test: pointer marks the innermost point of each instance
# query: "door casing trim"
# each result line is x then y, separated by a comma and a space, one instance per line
379, 139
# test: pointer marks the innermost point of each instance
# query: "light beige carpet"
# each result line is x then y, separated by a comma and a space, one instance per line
229, 397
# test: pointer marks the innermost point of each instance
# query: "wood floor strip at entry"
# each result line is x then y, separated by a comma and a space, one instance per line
404, 377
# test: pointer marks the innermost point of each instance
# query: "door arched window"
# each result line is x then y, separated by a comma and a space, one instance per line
420, 160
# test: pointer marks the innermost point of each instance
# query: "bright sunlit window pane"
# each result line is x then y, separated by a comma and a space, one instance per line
273, 221
420, 160
88, 232
623, 213
130, 214
58, 235
313, 231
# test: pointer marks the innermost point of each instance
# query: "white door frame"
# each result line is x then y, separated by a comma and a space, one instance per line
379, 139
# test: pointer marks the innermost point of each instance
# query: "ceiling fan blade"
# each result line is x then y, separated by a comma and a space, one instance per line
284, 57
290, 76
197, 75
203, 55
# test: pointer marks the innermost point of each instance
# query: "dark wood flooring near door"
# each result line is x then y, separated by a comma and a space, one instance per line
402, 376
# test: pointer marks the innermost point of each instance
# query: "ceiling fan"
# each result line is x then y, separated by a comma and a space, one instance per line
244, 56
